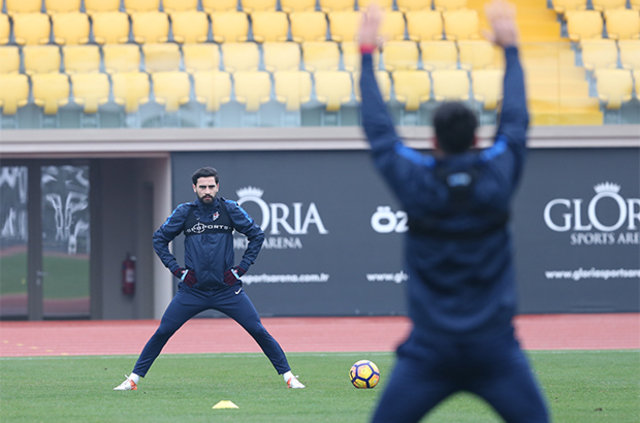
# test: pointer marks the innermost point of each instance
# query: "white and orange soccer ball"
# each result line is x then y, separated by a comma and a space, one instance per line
364, 374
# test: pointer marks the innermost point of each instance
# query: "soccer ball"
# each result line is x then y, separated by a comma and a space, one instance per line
364, 374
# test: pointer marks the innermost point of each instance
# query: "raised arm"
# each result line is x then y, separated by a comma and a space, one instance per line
511, 134
401, 166
514, 117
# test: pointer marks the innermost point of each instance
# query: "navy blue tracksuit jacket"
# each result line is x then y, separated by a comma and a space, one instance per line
208, 240
458, 252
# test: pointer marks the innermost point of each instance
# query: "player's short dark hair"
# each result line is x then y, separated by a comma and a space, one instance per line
455, 126
204, 172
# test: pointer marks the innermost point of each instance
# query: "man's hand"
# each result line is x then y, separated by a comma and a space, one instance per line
187, 276
233, 275
368, 36
501, 16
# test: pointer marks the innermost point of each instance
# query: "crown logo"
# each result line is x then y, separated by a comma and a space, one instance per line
250, 192
607, 187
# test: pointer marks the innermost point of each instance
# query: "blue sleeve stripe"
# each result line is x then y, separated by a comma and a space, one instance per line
172, 213
499, 147
414, 156
233, 203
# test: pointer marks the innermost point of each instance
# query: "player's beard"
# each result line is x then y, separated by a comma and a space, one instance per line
207, 199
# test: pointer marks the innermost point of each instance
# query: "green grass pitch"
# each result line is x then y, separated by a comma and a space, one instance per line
581, 386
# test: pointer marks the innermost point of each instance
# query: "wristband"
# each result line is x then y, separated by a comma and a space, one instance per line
367, 48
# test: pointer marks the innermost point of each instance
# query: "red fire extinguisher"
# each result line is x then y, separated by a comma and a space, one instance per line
129, 275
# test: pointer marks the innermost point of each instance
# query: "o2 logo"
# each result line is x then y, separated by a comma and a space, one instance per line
385, 220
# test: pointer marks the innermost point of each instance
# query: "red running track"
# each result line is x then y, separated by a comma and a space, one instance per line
299, 334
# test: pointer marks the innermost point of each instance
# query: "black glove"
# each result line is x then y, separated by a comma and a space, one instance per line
233, 275
185, 275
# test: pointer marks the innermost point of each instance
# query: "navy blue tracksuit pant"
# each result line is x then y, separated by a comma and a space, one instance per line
429, 371
231, 301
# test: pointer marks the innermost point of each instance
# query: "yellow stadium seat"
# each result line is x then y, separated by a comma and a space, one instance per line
14, 92
269, 26
351, 56
439, 54
344, 25
130, 89
424, 25
450, 85
477, 54
229, 26
333, 89
101, 6
629, 53
308, 26
583, 24
614, 87
400, 55
161, 57
292, 88
290, 6
413, 5
23, 6
190, 26
636, 77
336, 5
201, 57
83, 59
602, 5
31, 28
61, 6
622, 24
597, 54
5, 29
240, 57
563, 6
9, 59
137, 6
90, 90
393, 26
252, 88
41, 59
384, 4
251, 6
110, 27
50, 91
171, 89
635, 4
281, 56
212, 88
384, 83
461, 24
172, 6
411, 88
443, 5
121, 58
70, 28
150, 27
320, 55
215, 6
486, 87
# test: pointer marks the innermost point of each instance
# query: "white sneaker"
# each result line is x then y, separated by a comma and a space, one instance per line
127, 385
294, 383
